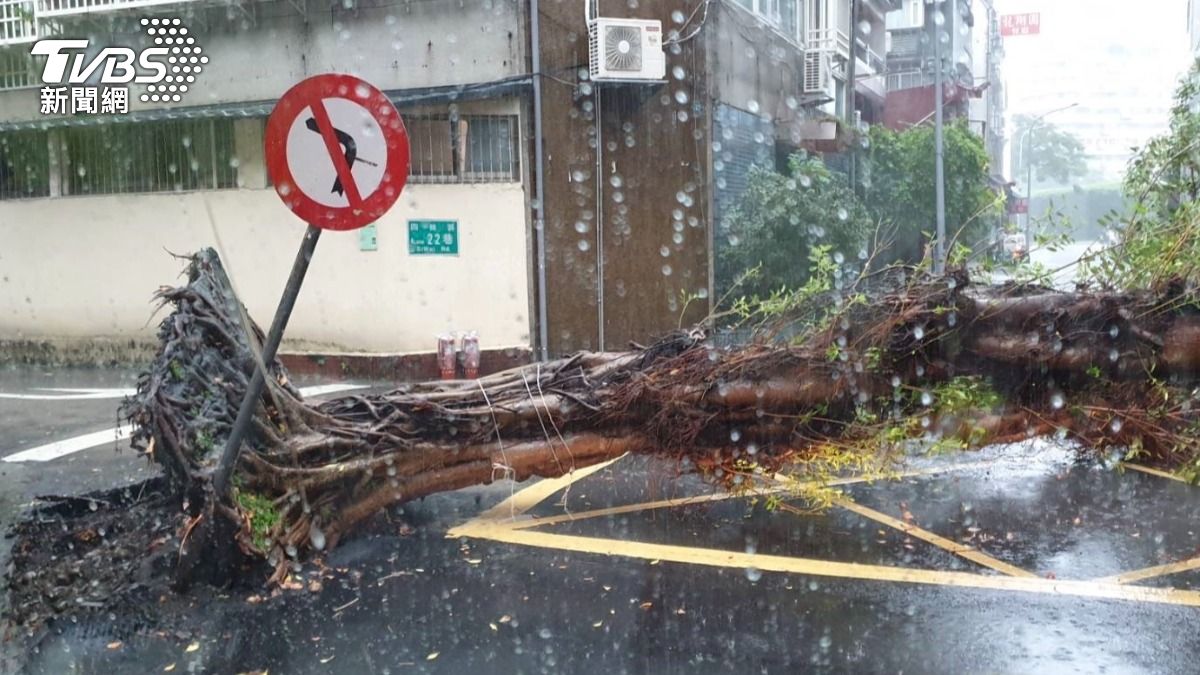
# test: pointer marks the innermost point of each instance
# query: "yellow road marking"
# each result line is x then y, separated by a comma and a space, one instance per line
533, 495
961, 550
502, 510
771, 563
1151, 572
499, 524
1154, 472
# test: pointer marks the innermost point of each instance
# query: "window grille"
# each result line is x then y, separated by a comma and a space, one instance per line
463, 149
24, 165
165, 156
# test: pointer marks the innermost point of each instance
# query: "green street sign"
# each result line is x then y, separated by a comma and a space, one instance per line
433, 237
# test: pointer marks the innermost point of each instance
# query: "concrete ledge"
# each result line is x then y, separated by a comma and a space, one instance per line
99, 352
411, 367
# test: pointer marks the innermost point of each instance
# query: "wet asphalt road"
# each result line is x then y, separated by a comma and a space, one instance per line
406, 598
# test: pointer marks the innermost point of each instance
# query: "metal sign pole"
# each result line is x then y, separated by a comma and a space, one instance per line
237, 432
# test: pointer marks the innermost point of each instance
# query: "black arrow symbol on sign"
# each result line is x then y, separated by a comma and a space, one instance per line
349, 147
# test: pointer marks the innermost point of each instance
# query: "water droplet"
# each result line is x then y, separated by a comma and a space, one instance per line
584, 245
93, 505
1057, 401
838, 257
664, 251
842, 213
581, 226
545, 634
678, 72
666, 270
751, 449
753, 574
316, 537
896, 381
1113, 355
735, 435
825, 643
752, 106
926, 399
681, 97
1115, 425
919, 332
1113, 332
805, 180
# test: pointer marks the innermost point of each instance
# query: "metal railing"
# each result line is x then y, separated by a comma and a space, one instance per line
463, 148
24, 164
17, 24
908, 79
53, 8
17, 69
165, 156
828, 40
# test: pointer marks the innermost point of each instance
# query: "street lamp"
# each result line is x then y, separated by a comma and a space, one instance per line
1029, 170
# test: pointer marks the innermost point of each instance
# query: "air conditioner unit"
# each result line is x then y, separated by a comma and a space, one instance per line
626, 49
816, 71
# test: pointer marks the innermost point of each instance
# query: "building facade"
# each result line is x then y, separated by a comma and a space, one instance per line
606, 236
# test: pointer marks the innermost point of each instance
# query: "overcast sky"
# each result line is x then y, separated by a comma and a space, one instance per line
1119, 61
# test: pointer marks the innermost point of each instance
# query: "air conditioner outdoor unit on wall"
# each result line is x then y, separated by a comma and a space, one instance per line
816, 71
626, 49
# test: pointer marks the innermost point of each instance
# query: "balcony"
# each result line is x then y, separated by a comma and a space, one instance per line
22, 21
48, 9
829, 40
17, 24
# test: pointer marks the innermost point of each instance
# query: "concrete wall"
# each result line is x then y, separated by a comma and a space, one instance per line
84, 267
394, 44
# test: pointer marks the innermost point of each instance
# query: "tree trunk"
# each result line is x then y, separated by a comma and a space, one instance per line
1107, 368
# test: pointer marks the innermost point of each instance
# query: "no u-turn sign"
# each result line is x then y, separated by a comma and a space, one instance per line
337, 151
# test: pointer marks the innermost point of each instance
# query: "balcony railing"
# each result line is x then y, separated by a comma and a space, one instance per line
53, 8
828, 40
17, 24
21, 20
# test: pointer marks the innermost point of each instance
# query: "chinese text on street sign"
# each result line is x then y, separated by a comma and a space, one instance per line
433, 237
1020, 24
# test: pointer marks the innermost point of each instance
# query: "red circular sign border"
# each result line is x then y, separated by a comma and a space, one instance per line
294, 102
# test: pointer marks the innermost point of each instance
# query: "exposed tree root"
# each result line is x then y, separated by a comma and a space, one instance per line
1105, 367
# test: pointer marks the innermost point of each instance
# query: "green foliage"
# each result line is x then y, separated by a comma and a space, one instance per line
900, 187
1055, 154
799, 307
263, 517
780, 219
1160, 237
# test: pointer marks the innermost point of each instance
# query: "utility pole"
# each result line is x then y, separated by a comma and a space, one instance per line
851, 85
939, 260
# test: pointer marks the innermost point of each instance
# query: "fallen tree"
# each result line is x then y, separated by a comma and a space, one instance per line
913, 361
873, 370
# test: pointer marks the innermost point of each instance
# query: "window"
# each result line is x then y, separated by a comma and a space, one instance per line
163, 156
17, 69
24, 164
491, 147
469, 149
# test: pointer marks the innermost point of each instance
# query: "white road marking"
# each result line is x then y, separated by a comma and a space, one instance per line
45, 453
71, 394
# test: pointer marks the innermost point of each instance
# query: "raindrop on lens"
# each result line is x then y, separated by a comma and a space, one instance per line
753, 574
926, 399
1057, 401
842, 213
1115, 426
